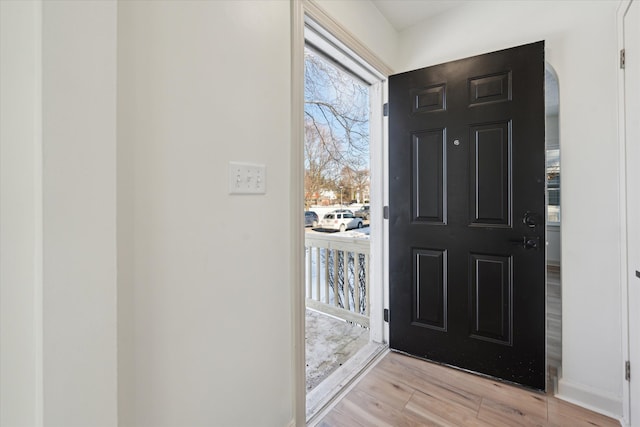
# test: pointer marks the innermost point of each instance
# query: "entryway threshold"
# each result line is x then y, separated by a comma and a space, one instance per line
321, 398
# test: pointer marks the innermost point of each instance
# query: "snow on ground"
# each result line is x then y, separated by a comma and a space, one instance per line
329, 343
362, 233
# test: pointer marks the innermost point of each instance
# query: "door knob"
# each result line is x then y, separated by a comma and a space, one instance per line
527, 242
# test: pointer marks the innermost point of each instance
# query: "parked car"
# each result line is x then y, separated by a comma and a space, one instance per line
340, 221
311, 219
342, 210
363, 212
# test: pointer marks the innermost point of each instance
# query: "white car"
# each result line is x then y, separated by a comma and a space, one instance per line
340, 220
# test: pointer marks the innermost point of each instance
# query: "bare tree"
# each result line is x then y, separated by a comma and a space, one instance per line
320, 161
336, 126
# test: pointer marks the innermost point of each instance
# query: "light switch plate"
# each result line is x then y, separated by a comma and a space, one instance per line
247, 178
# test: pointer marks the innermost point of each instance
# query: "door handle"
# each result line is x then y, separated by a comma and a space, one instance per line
527, 242
638, 274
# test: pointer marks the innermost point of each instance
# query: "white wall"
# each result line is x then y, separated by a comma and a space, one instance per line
58, 214
20, 214
204, 285
366, 23
79, 190
581, 46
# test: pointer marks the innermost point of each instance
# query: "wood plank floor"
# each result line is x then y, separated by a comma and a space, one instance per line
403, 391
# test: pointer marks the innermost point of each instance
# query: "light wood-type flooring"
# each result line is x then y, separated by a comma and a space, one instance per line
403, 391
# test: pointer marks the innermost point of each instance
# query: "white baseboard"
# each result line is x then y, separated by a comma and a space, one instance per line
292, 423
592, 399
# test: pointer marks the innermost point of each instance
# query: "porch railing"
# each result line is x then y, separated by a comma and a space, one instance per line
337, 276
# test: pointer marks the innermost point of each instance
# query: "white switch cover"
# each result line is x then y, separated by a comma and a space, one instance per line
247, 178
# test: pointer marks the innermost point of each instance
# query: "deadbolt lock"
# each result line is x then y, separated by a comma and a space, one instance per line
530, 219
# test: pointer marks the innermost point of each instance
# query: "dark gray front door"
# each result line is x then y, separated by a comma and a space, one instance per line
467, 214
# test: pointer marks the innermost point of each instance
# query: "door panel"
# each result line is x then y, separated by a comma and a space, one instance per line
429, 171
491, 306
430, 293
467, 164
490, 174
486, 89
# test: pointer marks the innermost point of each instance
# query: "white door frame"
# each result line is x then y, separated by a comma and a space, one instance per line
629, 307
379, 237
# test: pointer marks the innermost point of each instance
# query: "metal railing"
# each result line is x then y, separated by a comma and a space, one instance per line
337, 276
